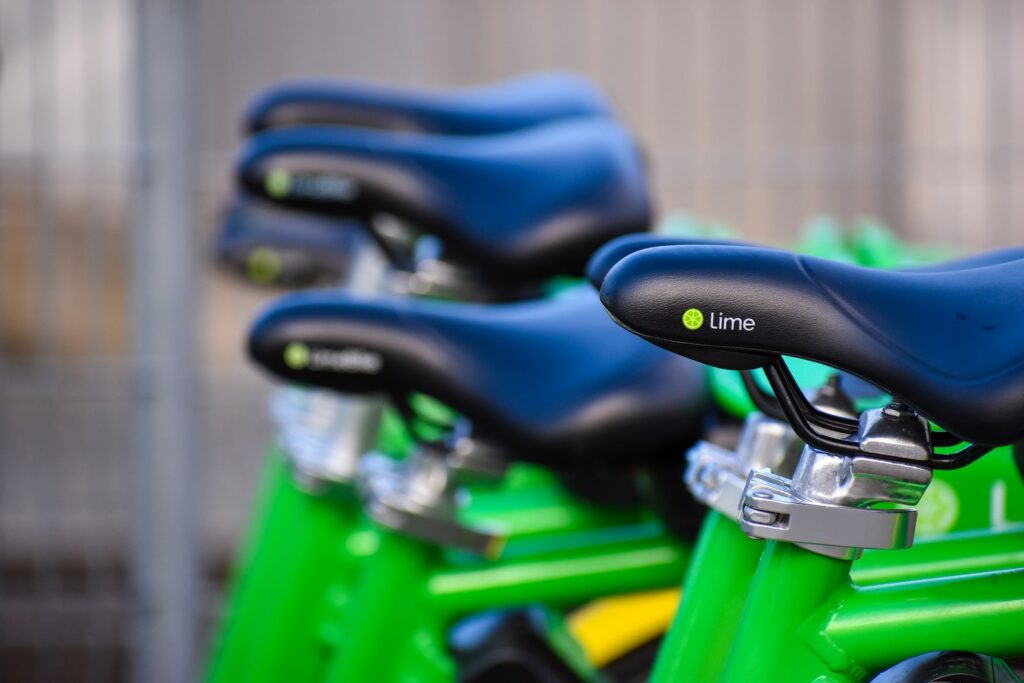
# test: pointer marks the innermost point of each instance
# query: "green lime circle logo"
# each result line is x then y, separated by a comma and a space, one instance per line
296, 355
278, 183
938, 510
693, 319
263, 265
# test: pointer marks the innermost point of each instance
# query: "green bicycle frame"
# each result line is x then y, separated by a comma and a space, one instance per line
306, 556
714, 593
306, 600
409, 596
302, 547
805, 620
754, 611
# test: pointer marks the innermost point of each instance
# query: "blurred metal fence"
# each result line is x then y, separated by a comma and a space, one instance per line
87, 507
759, 113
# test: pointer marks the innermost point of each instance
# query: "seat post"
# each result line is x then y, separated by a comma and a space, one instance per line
324, 434
717, 476
828, 504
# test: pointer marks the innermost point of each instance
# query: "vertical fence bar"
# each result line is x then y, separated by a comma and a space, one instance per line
166, 563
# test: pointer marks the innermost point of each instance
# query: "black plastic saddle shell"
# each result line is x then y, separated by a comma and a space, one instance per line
554, 381
519, 206
613, 251
948, 341
520, 102
605, 258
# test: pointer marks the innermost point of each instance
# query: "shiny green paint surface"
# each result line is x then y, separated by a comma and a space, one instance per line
956, 554
540, 505
790, 583
299, 547
565, 578
581, 539
387, 632
714, 593
873, 628
395, 627
303, 576
304, 552
988, 494
806, 622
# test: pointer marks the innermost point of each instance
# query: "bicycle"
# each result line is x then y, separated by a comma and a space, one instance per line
802, 618
483, 361
289, 506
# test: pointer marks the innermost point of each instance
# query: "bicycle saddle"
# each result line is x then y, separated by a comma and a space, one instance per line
552, 381
621, 247
611, 253
529, 204
497, 108
270, 246
948, 341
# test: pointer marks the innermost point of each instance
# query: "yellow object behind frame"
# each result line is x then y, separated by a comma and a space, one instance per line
609, 628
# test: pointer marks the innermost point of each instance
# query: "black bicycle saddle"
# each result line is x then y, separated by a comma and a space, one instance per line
269, 246
518, 206
614, 251
948, 341
512, 104
621, 247
553, 381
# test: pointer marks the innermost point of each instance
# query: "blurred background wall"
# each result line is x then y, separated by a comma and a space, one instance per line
759, 114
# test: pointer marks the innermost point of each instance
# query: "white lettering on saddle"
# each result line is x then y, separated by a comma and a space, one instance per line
720, 321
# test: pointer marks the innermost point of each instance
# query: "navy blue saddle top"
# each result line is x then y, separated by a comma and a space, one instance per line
518, 206
497, 108
552, 381
947, 340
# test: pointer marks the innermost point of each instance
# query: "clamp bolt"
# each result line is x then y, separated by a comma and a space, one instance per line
709, 479
759, 516
897, 409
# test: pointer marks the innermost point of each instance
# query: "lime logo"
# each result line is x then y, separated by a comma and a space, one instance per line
938, 510
693, 319
263, 265
296, 355
278, 183
349, 360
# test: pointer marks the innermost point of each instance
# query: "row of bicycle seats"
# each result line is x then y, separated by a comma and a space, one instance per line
517, 183
479, 205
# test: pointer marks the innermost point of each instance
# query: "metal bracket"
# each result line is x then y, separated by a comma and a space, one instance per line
714, 478
323, 435
827, 504
417, 497
717, 476
773, 511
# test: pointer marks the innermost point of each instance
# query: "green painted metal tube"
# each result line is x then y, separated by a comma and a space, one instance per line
952, 555
561, 579
294, 553
789, 585
581, 540
714, 594
873, 628
383, 611
542, 508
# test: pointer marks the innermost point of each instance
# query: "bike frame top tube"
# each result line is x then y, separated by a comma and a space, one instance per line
806, 621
